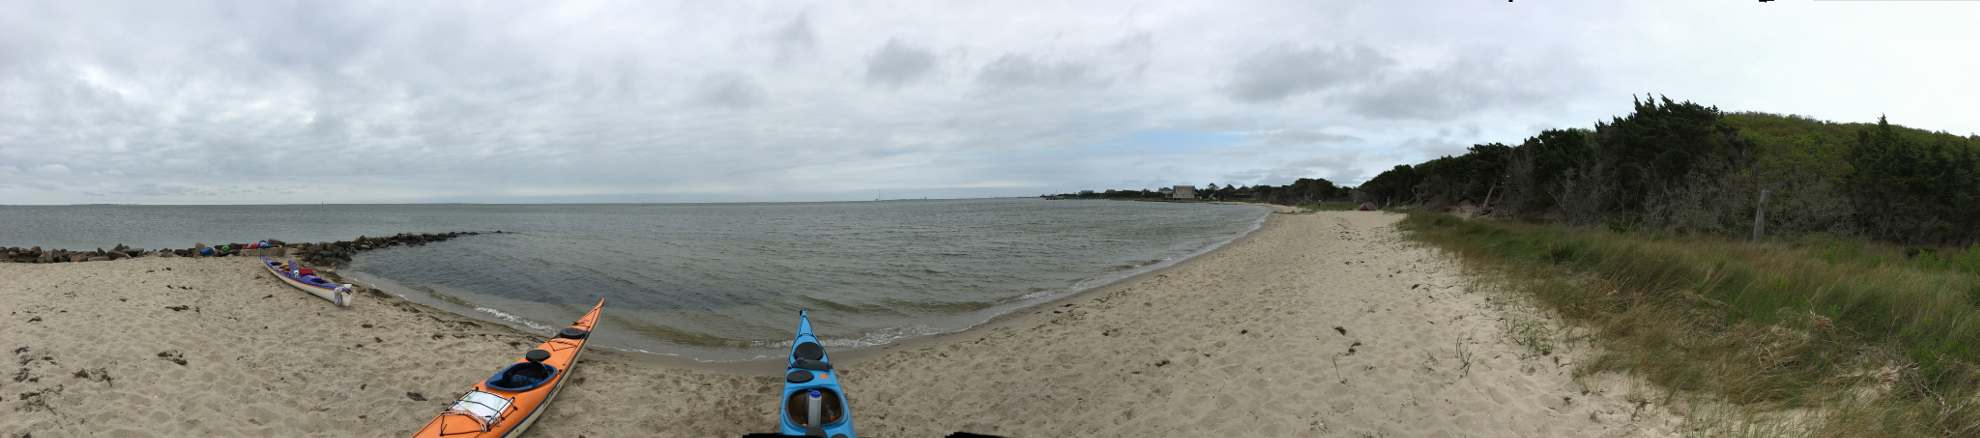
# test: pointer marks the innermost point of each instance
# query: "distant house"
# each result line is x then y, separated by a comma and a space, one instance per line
1183, 192
1086, 193
1242, 193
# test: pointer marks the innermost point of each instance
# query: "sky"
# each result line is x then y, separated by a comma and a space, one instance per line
276, 102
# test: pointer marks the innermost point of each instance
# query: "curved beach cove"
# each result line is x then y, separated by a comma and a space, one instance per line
716, 282
1322, 324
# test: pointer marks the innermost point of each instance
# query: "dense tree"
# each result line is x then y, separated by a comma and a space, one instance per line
1688, 168
1536, 169
1659, 148
1394, 185
1301, 191
1911, 189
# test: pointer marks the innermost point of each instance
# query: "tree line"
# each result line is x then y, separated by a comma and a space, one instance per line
1301, 191
1686, 168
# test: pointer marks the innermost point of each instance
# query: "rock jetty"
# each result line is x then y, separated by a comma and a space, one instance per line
318, 253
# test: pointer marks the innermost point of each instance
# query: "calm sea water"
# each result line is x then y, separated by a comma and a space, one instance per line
706, 281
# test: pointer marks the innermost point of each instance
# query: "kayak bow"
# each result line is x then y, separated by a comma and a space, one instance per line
813, 403
508, 402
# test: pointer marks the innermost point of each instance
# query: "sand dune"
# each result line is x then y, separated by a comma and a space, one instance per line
1316, 325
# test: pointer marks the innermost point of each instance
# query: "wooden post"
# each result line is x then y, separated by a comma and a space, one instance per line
1760, 217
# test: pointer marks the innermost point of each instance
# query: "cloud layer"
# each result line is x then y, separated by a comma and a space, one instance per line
289, 101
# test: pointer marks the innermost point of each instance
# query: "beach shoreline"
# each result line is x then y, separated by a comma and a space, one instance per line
842, 356
1322, 324
1021, 315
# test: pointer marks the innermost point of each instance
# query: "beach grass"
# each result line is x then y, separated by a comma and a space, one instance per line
1849, 338
1328, 206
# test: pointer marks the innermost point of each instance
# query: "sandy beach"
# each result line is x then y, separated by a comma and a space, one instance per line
1322, 324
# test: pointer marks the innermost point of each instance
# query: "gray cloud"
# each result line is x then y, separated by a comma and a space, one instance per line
1015, 71
732, 90
51, 170
1300, 136
794, 39
1479, 80
1134, 53
898, 63
1342, 168
1284, 70
1094, 66
1433, 147
697, 101
1373, 85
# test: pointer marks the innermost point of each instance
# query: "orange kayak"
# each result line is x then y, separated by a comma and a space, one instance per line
508, 402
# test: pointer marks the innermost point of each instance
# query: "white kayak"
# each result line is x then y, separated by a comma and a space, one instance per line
305, 279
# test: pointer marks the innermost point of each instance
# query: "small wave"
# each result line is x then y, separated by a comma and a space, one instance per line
505, 316
642, 350
696, 359
1120, 274
867, 339
1038, 292
883, 336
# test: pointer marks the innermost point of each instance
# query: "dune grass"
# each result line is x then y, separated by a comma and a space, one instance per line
1329, 206
1874, 341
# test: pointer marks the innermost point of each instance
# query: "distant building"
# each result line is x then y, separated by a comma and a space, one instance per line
1086, 193
1242, 193
1183, 192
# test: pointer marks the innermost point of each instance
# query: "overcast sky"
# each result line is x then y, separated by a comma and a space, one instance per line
253, 102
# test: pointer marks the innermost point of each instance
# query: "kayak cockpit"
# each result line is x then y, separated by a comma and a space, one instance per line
524, 376
815, 408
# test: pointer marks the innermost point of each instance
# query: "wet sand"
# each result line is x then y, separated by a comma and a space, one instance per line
1322, 324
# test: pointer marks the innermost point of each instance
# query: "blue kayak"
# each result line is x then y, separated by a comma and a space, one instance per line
814, 404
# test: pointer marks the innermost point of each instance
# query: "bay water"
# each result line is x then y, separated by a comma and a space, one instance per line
711, 282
